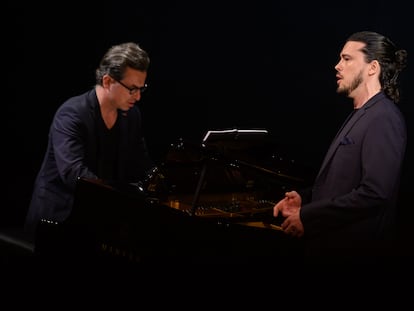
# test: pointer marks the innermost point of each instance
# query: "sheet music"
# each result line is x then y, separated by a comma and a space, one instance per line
229, 134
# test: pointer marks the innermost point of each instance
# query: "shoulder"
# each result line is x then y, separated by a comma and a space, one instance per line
80, 109
385, 117
80, 103
380, 106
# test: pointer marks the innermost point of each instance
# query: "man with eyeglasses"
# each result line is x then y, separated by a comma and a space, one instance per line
95, 135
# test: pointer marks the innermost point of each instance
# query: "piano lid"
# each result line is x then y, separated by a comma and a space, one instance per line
248, 150
231, 173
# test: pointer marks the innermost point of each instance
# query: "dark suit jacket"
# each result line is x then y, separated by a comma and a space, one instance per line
72, 152
352, 206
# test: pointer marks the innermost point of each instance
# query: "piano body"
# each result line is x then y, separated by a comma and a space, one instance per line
203, 204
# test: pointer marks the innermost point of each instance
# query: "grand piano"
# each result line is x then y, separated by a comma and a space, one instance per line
206, 203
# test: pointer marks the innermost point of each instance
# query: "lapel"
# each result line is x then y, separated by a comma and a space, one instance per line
350, 121
343, 131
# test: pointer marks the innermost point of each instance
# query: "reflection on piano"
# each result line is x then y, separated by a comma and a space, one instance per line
204, 204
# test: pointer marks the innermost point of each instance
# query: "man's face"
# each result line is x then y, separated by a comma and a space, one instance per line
351, 68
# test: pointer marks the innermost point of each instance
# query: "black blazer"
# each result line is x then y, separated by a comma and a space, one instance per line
72, 152
352, 205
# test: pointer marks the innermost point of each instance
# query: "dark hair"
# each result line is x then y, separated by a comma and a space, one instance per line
391, 59
119, 57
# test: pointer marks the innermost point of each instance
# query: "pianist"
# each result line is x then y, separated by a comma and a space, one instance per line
95, 135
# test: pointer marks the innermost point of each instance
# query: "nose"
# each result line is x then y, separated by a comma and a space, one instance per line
137, 95
337, 66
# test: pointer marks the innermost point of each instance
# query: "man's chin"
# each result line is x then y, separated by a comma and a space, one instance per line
340, 90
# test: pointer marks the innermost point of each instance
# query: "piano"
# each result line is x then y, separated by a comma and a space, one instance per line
208, 203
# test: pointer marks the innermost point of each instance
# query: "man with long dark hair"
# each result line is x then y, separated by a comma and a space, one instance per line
349, 215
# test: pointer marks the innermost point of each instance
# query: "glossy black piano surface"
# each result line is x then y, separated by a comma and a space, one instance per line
202, 204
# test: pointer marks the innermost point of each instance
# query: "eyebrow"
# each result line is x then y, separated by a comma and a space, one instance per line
134, 86
345, 55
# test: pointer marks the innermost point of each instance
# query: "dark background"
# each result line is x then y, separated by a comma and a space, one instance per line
214, 66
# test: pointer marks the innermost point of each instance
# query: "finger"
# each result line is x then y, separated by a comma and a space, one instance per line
278, 207
285, 225
289, 194
275, 211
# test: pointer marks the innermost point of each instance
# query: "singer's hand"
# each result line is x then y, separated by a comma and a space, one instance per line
288, 205
293, 225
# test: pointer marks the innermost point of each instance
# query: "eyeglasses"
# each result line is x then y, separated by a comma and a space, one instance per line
133, 90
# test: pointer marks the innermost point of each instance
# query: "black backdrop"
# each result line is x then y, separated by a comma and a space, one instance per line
214, 66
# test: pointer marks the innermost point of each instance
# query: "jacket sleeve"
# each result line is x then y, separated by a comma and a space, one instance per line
69, 138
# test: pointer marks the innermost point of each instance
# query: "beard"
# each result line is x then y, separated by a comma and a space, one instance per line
352, 86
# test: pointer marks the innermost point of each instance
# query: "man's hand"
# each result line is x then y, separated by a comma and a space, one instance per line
289, 204
292, 225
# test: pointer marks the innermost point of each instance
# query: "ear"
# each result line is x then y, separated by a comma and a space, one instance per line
374, 68
106, 81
